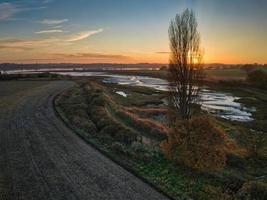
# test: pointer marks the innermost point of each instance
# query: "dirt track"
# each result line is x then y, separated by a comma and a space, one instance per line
40, 158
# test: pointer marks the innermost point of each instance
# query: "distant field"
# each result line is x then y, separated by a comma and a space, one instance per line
225, 74
211, 74
228, 74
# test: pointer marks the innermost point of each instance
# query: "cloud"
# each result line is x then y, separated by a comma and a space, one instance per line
8, 10
15, 48
56, 27
49, 31
163, 52
83, 35
53, 21
47, 1
29, 43
93, 56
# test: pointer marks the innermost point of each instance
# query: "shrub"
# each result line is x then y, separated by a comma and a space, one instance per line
97, 100
254, 142
85, 124
196, 143
232, 183
235, 161
258, 78
151, 127
248, 68
125, 135
110, 129
258, 125
138, 147
253, 190
119, 133
118, 148
105, 123
141, 152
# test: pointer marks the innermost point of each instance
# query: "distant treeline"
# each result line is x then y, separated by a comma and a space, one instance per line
234, 66
92, 66
109, 66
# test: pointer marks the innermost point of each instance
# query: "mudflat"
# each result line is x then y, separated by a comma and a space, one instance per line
41, 159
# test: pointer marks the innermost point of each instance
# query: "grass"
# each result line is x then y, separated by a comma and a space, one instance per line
225, 74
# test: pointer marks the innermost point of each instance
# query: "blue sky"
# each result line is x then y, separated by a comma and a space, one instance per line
128, 30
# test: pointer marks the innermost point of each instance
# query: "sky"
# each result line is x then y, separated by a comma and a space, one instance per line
128, 31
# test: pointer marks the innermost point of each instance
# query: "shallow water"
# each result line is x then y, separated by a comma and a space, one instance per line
121, 93
145, 81
225, 106
217, 103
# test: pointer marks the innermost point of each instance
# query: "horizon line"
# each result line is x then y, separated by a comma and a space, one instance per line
117, 63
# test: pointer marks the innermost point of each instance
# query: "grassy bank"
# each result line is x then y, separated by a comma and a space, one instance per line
131, 135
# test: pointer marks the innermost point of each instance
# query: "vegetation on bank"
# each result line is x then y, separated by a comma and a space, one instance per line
93, 109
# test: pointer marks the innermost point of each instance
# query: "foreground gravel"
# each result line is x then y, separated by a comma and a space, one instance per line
40, 158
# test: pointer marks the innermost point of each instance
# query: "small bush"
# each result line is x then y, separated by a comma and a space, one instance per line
253, 190
97, 100
232, 183
118, 148
236, 161
104, 122
141, 152
138, 147
143, 125
85, 124
258, 78
254, 142
196, 143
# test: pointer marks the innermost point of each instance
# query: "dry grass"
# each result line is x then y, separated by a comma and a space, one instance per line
231, 147
146, 122
146, 111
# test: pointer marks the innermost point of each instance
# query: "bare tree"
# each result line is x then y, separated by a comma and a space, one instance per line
185, 65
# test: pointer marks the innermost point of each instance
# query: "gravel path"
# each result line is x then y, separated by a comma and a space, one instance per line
40, 158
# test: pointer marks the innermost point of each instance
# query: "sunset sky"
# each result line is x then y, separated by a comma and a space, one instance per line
128, 31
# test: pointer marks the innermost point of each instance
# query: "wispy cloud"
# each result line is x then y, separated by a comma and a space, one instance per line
52, 41
8, 10
53, 21
55, 27
15, 48
83, 35
26, 44
47, 1
163, 52
49, 31
93, 56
